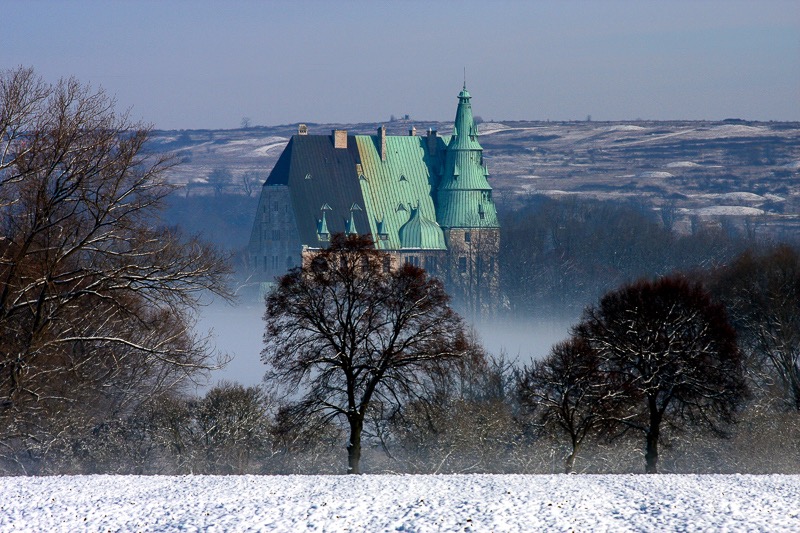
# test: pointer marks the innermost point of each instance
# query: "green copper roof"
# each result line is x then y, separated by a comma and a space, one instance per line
463, 196
421, 232
393, 188
403, 199
465, 132
467, 209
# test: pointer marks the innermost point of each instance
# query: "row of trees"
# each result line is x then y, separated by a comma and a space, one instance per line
651, 355
664, 353
557, 255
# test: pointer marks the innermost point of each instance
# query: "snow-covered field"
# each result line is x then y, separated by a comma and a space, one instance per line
401, 503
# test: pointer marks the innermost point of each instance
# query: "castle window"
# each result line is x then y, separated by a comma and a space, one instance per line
430, 264
364, 264
412, 260
289, 262
274, 262
387, 264
491, 265
266, 266
462, 264
467, 236
276, 235
275, 206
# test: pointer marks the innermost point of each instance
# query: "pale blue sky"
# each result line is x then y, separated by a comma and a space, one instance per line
202, 64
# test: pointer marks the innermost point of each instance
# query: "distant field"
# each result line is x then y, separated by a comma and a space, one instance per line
401, 503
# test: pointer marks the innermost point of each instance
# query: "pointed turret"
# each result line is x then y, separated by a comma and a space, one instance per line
465, 132
464, 197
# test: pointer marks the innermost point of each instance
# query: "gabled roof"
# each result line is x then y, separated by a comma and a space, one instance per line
318, 174
391, 188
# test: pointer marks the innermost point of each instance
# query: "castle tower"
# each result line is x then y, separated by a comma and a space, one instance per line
467, 215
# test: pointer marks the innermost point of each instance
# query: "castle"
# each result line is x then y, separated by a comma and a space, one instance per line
424, 199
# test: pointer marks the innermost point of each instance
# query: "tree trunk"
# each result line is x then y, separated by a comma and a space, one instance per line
652, 435
354, 446
795, 386
569, 462
651, 455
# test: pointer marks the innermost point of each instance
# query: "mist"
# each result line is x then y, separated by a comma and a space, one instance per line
237, 330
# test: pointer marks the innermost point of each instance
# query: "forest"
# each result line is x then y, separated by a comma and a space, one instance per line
684, 355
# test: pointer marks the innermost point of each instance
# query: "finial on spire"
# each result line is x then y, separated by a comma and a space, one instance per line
465, 78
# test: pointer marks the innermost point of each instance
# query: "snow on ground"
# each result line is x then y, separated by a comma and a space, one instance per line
401, 503
655, 174
736, 130
682, 164
487, 128
747, 197
623, 127
726, 210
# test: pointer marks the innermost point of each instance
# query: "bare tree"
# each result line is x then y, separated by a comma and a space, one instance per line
762, 294
219, 179
671, 351
95, 299
347, 334
568, 393
234, 427
250, 181
463, 423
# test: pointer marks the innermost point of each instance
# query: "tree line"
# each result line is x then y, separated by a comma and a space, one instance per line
368, 369
372, 371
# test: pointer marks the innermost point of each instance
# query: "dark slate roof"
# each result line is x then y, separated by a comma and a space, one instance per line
317, 175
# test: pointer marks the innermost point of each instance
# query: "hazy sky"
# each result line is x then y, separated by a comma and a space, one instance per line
202, 64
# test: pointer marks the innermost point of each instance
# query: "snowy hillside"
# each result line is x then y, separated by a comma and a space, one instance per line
401, 503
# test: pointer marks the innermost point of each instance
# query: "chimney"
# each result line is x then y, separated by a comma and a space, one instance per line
432, 136
413, 131
382, 139
302, 129
339, 138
